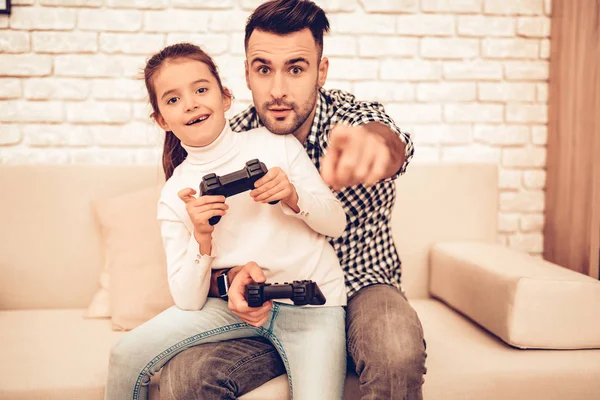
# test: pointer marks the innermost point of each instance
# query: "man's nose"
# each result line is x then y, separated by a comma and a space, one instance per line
278, 90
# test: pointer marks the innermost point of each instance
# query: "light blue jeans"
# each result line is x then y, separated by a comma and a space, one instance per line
310, 340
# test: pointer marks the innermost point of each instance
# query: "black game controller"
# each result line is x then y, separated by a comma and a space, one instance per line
233, 183
300, 292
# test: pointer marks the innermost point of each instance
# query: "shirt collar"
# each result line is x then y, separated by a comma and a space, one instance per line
220, 147
320, 119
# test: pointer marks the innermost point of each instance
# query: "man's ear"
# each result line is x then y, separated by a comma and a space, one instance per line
227, 97
247, 75
323, 68
161, 121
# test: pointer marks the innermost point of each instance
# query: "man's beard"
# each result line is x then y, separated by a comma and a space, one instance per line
300, 115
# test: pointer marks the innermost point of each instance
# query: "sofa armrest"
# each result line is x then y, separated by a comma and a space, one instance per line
525, 301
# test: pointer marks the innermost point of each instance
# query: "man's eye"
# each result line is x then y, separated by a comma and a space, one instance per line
172, 100
201, 90
295, 70
263, 70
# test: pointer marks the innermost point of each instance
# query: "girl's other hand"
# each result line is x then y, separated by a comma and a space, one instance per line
202, 209
275, 185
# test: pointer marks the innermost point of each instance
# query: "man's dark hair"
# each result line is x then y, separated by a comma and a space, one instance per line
288, 16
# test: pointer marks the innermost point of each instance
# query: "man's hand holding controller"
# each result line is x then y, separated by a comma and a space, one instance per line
200, 210
240, 277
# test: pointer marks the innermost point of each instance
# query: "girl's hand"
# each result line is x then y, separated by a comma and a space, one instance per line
200, 210
275, 185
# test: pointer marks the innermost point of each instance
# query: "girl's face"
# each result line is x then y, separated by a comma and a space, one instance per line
190, 102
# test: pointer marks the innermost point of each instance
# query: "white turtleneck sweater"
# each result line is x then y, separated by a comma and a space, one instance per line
287, 245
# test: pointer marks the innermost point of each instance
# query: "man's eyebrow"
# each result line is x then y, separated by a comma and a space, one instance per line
260, 60
165, 94
297, 60
289, 62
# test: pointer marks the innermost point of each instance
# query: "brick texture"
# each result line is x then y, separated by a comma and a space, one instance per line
469, 79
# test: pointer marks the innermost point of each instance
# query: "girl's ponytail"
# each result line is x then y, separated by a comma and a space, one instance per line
173, 154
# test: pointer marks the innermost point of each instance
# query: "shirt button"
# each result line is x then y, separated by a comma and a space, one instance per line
307, 213
197, 261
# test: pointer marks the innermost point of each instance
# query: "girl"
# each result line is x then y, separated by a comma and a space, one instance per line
287, 239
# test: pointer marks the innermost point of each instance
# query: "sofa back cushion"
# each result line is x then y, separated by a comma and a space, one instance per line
51, 252
441, 202
50, 249
135, 258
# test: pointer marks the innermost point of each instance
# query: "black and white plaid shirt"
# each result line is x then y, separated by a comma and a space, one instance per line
366, 249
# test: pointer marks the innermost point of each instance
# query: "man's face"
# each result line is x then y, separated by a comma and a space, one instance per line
284, 74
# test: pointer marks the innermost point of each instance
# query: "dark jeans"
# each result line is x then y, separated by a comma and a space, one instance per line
385, 347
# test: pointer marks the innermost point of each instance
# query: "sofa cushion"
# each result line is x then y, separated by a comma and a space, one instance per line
434, 204
135, 257
527, 302
55, 355
58, 355
466, 362
99, 307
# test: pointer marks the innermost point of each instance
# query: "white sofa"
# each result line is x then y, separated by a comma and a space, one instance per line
463, 286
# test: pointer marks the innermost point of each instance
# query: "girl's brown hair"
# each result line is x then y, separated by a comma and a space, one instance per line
173, 152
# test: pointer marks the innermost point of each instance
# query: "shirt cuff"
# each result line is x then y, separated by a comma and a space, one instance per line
408, 155
194, 248
303, 205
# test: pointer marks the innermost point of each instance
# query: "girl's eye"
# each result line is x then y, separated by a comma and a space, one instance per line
172, 100
201, 90
263, 70
295, 70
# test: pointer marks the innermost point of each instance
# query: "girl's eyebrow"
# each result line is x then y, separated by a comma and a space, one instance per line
170, 91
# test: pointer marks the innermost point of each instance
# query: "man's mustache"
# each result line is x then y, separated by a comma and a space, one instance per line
280, 104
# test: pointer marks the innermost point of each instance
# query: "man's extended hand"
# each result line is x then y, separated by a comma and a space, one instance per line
249, 273
362, 154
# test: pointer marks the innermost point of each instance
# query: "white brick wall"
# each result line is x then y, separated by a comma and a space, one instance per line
467, 77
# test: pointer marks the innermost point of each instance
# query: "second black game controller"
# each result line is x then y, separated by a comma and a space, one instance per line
300, 292
233, 183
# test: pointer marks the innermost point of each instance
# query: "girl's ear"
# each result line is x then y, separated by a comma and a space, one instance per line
227, 98
161, 121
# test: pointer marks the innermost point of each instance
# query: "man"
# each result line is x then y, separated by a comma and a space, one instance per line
359, 151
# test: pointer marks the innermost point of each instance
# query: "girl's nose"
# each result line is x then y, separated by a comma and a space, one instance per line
192, 105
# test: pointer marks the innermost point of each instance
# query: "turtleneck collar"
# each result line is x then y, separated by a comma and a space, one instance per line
220, 150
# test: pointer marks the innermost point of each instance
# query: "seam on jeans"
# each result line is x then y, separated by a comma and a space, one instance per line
180, 345
274, 314
281, 350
